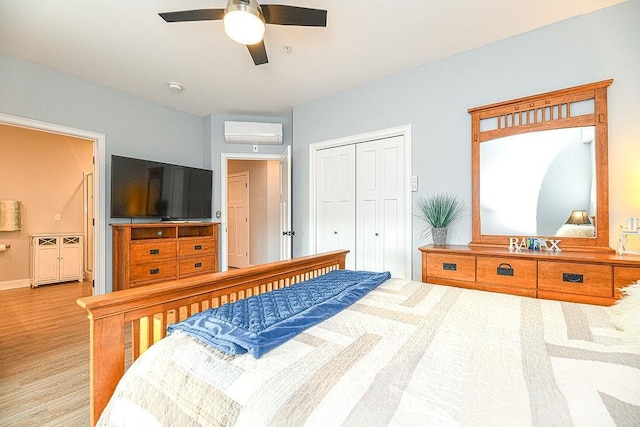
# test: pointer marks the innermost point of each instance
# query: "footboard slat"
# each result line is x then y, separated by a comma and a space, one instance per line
135, 338
148, 310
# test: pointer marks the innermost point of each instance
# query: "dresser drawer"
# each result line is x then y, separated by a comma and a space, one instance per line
197, 265
575, 278
151, 251
153, 272
624, 276
516, 273
196, 247
448, 266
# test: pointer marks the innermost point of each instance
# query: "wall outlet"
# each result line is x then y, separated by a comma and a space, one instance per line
255, 148
57, 217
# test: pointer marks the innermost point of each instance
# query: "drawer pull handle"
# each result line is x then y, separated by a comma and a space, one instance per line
505, 269
197, 265
197, 247
449, 266
154, 271
154, 251
572, 278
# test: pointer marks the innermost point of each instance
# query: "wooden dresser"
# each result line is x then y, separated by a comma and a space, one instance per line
587, 277
149, 253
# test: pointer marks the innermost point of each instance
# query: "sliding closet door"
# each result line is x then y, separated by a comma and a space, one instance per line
380, 225
336, 201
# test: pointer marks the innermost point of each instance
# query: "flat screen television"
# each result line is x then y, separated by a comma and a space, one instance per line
147, 189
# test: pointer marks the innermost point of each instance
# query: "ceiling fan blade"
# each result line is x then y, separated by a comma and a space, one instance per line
258, 52
193, 15
293, 15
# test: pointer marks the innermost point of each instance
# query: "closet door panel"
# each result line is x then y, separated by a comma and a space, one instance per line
393, 214
381, 241
368, 256
391, 179
392, 247
324, 230
368, 174
343, 220
335, 201
324, 205
367, 251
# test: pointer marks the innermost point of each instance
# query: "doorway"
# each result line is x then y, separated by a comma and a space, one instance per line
98, 147
268, 214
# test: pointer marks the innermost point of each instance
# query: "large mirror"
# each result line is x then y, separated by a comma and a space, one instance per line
558, 179
540, 169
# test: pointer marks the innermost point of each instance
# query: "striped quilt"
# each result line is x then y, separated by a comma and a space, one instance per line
406, 354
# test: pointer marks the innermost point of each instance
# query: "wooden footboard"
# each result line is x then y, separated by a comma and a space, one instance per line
147, 311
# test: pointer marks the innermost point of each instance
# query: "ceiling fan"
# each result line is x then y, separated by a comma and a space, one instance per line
244, 21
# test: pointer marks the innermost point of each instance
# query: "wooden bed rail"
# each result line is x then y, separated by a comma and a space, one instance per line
148, 310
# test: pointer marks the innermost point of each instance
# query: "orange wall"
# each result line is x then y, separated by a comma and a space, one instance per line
45, 172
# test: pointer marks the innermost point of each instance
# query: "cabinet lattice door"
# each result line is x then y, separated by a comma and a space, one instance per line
56, 258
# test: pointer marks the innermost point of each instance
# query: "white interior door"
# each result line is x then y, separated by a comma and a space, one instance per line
286, 233
335, 201
238, 219
380, 228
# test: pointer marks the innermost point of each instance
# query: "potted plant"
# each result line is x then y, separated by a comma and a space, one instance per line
438, 211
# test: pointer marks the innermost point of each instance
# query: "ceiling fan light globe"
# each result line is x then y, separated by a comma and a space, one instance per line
244, 27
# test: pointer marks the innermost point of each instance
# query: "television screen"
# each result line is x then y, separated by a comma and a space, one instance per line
147, 189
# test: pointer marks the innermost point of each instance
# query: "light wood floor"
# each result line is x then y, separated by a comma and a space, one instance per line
44, 356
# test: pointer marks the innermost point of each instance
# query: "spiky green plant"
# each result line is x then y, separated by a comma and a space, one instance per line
438, 211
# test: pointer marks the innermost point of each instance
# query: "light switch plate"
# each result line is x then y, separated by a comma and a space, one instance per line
414, 183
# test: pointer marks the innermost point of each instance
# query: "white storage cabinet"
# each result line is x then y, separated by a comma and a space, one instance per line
56, 258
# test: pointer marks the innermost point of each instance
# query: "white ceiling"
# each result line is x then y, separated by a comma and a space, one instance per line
124, 44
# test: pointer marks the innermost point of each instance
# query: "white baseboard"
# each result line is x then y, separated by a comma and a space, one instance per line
13, 284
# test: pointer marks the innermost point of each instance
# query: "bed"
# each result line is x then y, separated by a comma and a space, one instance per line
407, 353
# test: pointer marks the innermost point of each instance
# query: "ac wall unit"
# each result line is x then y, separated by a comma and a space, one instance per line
253, 133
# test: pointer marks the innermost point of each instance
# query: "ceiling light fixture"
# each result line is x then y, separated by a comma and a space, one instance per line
244, 22
176, 87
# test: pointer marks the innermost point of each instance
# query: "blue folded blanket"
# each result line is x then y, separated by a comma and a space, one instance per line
259, 323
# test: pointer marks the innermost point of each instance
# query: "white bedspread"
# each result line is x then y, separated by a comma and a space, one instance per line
406, 354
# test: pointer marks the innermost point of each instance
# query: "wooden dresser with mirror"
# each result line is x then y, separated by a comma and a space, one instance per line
536, 162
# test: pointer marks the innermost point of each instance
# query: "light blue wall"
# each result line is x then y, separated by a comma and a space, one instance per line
435, 99
132, 126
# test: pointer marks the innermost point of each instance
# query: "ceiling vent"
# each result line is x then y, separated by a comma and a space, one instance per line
253, 133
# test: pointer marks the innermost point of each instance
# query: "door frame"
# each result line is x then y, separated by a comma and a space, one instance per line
99, 188
88, 229
404, 131
224, 236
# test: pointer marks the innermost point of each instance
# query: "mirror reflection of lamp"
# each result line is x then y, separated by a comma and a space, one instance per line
579, 217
